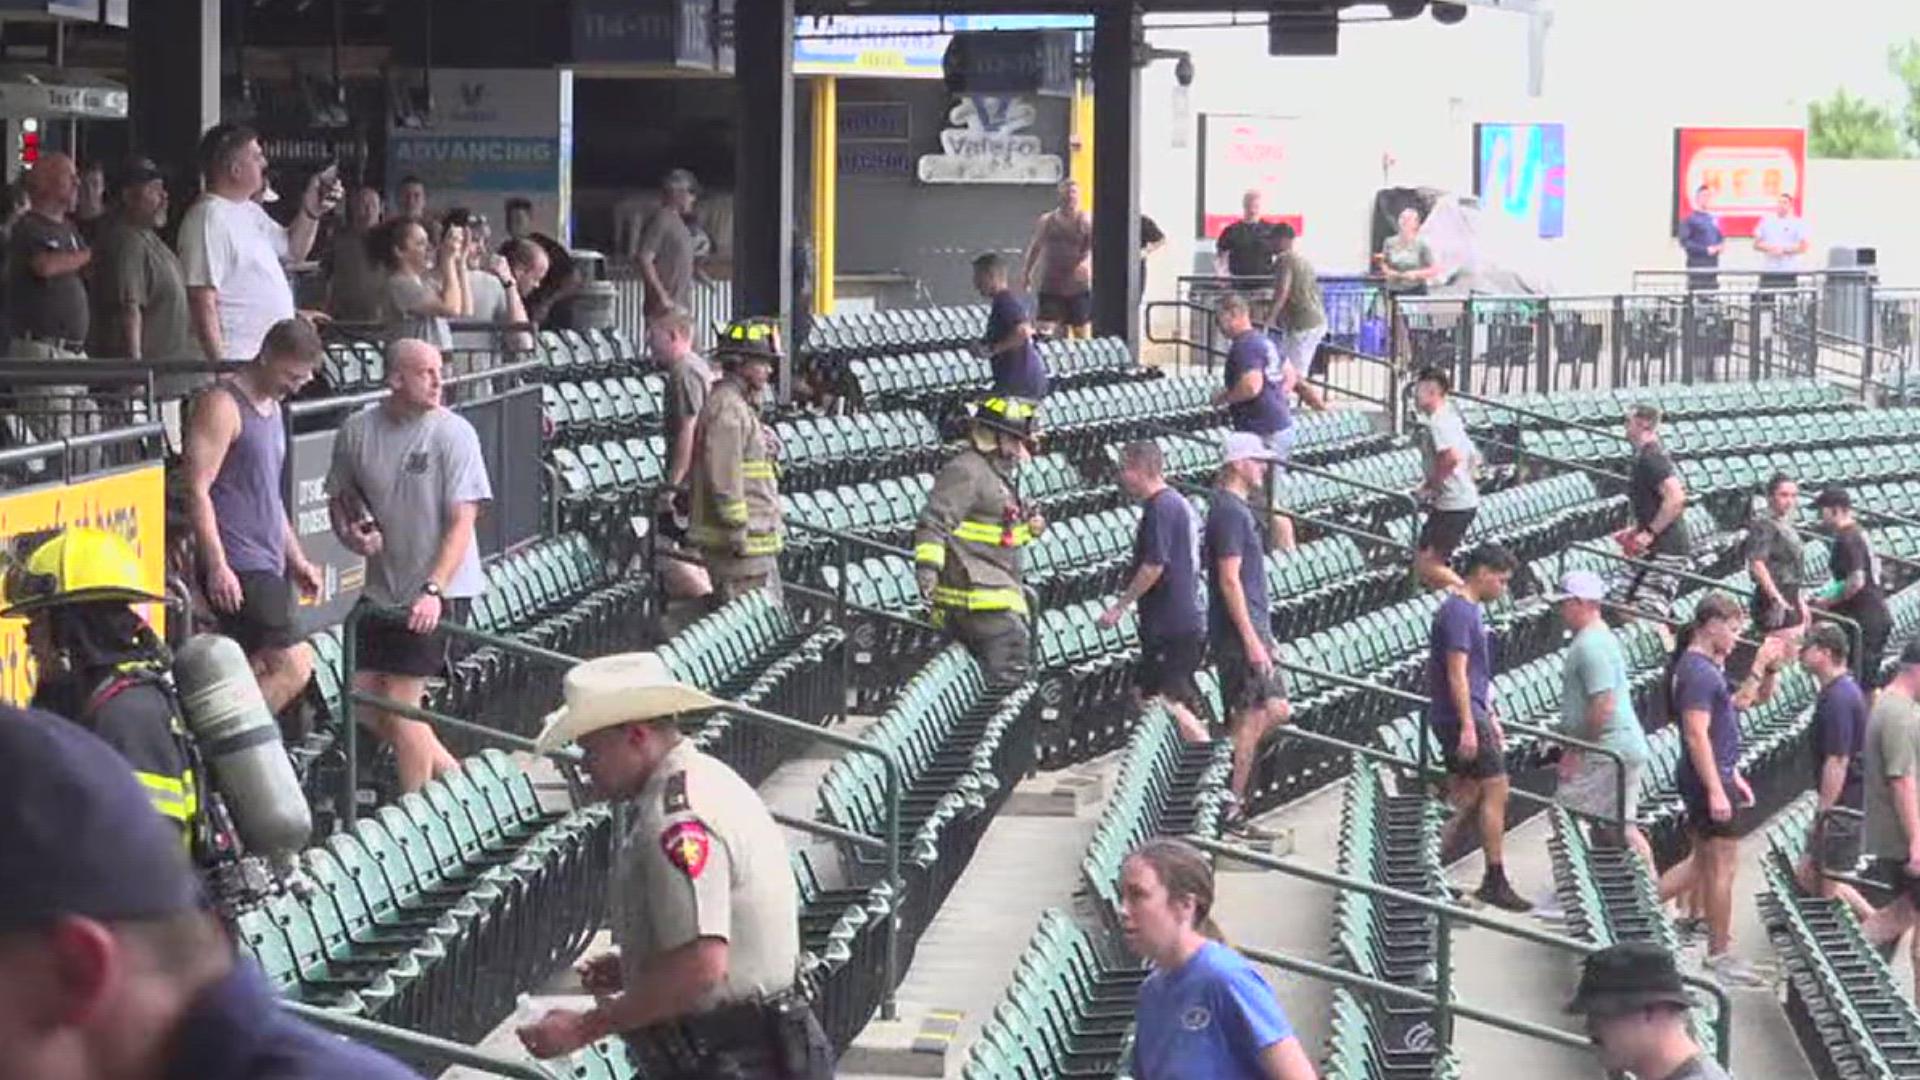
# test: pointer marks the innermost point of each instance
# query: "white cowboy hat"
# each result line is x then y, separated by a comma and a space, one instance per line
624, 688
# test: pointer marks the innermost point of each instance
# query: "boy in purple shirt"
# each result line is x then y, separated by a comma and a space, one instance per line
1461, 717
1167, 584
1255, 397
1007, 342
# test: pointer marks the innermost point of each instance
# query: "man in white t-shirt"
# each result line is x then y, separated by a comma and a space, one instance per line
1781, 240
233, 255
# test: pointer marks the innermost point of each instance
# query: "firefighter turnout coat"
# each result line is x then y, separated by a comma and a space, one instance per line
735, 514
972, 533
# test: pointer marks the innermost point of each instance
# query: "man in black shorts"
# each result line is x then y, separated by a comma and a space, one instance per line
1461, 717
1447, 489
1658, 499
405, 489
1166, 582
1239, 617
1890, 768
249, 552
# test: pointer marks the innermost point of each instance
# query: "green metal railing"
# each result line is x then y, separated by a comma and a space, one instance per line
894, 786
413, 1044
1445, 1008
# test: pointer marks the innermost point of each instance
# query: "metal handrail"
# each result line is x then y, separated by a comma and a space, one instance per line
1202, 491
1212, 351
406, 1042
894, 787
1441, 1000
316, 406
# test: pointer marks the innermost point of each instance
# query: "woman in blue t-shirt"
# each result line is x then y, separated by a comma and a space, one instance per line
1709, 777
1204, 1012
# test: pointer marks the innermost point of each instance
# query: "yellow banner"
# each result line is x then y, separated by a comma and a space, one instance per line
131, 503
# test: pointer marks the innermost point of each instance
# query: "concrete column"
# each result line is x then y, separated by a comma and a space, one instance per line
1116, 168
826, 188
174, 62
763, 171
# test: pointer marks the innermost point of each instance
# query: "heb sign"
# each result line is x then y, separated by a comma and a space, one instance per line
1747, 169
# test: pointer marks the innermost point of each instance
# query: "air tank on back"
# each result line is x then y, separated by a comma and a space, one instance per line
239, 741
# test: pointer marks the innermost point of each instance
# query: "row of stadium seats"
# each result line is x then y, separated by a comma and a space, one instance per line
1743, 474
960, 750
438, 910
1391, 840
593, 409
1069, 1010
1735, 434
1606, 407
1851, 1017
822, 451
352, 366
938, 381
844, 336
601, 485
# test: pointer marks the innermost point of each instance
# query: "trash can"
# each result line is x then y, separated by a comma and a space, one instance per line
1846, 301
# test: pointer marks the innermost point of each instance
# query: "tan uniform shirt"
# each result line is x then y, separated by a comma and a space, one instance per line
705, 859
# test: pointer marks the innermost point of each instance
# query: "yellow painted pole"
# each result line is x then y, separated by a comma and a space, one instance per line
1080, 162
826, 188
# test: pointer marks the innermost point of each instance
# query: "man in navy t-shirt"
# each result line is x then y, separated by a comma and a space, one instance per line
1461, 717
1008, 340
1167, 584
1255, 397
1839, 731
1239, 617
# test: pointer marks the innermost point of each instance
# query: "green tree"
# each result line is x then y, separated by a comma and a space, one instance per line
1904, 61
1844, 126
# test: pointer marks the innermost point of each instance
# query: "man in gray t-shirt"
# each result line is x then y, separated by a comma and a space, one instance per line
689, 377
665, 255
1447, 458
406, 486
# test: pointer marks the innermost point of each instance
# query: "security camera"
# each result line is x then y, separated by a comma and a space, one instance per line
1183, 70
1405, 9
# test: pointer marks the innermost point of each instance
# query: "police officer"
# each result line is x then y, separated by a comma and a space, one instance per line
967, 543
112, 966
101, 666
736, 520
706, 916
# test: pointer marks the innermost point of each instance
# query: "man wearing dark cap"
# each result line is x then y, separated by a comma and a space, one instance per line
139, 296
1855, 590
1636, 1010
110, 964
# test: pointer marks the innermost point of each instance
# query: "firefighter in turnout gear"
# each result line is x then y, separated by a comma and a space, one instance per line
101, 666
736, 520
967, 544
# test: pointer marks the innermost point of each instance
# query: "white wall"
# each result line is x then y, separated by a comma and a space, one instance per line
1621, 75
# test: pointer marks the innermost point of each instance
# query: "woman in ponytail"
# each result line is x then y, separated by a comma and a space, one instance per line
1711, 787
1204, 1011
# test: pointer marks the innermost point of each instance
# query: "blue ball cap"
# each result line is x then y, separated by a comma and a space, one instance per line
78, 835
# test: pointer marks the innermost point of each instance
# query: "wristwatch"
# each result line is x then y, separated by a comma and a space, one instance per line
431, 589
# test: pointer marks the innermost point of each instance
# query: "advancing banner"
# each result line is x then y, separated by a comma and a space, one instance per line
132, 503
1520, 171
1747, 169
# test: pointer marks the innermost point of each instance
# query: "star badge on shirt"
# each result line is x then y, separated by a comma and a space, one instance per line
687, 846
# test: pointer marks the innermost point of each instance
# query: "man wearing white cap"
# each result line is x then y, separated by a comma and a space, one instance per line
1597, 705
1239, 617
704, 907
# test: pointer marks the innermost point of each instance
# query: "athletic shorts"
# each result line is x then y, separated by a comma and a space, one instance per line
386, 645
1298, 346
1242, 688
1489, 759
1281, 443
1593, 790
1443, 530
1649, 588
1072, 309
265, 618
1893, 873
1835, 845
1166, 669
1700, 821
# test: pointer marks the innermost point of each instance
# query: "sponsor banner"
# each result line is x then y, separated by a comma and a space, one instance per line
869, 121
493, 133
132, 503
986, 141
493, 163
1248, 153
1520, 171
899, 46
1747, 169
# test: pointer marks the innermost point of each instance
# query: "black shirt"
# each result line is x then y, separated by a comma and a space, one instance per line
1852, 554
1839, 730
53, 308
559, 268
1248, 249
1651, 468
236, 1030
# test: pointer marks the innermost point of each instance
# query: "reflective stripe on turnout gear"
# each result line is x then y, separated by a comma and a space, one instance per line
995, 533
960, 599
932, 553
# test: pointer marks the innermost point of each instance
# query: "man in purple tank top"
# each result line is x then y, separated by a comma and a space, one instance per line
250, 557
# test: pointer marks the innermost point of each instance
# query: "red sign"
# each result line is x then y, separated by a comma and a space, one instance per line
1239, 154
1217, 223
1746, 169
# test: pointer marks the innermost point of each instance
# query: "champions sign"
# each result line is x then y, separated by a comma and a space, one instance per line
132, 503
1747, 170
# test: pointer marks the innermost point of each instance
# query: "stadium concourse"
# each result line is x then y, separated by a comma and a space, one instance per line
977, 934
